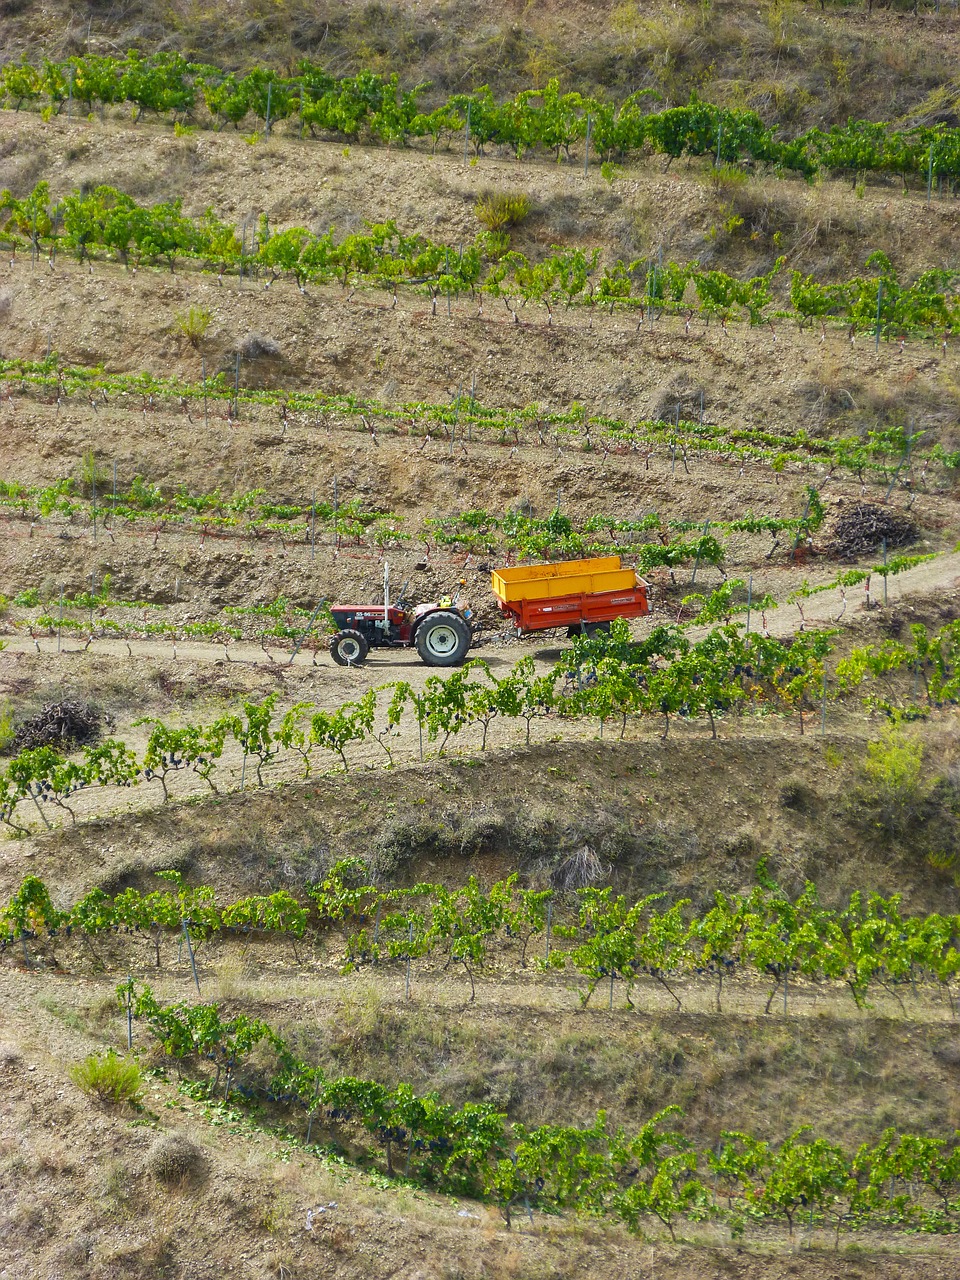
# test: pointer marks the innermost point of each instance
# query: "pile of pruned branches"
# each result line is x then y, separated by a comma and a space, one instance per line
59, 724
863, 529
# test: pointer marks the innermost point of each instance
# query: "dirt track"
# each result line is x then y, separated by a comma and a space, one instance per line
819, 610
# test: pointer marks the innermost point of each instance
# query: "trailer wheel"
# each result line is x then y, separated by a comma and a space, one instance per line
587, 629
349, 648
443, 639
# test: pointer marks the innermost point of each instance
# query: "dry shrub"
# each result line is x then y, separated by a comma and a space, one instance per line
77, 1252
175, 1158
10, 1056
795, 794
579, 870
828, 396
257, 347
949, 1055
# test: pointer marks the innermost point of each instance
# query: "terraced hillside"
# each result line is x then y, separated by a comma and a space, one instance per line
542, 966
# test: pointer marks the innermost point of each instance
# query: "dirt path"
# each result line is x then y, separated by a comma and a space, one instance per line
315, 677
829, 607
386, 664
284, 986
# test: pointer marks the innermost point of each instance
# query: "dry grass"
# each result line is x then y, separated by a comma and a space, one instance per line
232, 974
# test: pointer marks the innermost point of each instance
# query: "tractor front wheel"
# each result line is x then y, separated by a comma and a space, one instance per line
443, 639
349, 648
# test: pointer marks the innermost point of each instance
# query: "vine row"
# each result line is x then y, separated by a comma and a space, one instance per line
869, 944
385, 258
514, 535
888, 453
372, 108
652, 1176
604, 677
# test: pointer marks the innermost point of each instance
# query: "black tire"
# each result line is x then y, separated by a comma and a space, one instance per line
443, 639
587, 629
349, 648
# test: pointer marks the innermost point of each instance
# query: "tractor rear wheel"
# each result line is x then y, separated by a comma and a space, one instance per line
443, 639
349, 648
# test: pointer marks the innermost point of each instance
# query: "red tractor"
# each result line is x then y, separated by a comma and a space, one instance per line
441, 632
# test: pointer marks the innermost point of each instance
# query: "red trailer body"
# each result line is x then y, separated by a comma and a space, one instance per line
538, 596
572, 611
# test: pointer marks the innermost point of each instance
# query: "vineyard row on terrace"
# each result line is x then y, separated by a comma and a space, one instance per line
886, 453
904, 1182
279, 621
370, 108
384, 258
604, 677
514, 535
868, 944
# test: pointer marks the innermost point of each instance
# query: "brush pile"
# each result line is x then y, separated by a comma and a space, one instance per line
63, 724
862, 530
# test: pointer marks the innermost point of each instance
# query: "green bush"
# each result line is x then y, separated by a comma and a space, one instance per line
7, 727
193, 324
894, 769
498, 210
109, 1078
